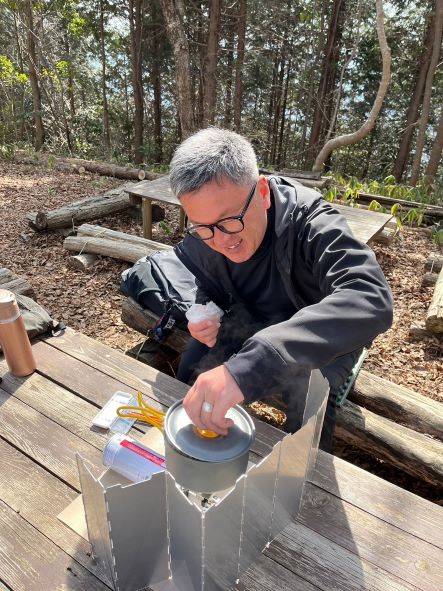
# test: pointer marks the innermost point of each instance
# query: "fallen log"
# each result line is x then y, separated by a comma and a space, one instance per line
18, 285
434, 263
417, 330
141, 320
117, 249
433, 211
103, 169
308, 179
101, 232
112, 201
414, 453
82, 262
78, 165
434, 318
398, 403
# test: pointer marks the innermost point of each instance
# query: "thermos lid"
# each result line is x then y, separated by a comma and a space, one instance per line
182, 436
9, 309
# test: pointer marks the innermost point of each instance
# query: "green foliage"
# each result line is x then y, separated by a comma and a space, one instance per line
6, 151
165, 227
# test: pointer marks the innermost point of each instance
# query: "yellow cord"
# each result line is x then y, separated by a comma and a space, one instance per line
143, 412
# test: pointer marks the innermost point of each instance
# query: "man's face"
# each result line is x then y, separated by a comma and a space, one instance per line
215, 201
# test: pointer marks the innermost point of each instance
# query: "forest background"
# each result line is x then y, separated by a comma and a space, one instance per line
126, 81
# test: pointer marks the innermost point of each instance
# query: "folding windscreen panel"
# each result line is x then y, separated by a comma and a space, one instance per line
155, 534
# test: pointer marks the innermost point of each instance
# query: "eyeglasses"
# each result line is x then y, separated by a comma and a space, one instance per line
230, 225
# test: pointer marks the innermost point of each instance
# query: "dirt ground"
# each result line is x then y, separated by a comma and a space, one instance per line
91, 302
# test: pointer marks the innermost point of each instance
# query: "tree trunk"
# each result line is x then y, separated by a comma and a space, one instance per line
229, 74
241, 34
135, 26
323, 102
21, 133
416, 99
106, 134
70, 78
33, 77
279, 156
271, 108
436, 49
352, 138
210, 80
156, 50
435, 156
172, 13
277, 110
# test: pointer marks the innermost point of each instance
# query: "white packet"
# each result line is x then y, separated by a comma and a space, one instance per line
200, 312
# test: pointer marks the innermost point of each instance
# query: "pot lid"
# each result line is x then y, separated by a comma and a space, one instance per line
182, 436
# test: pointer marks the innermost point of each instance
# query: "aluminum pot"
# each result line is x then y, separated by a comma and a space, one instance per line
206, 465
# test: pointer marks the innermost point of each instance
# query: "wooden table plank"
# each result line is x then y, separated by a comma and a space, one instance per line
327, 565
39, 497
386, 546
159, 190
158, 386
380, 498
54, 402
29, 561
43, 440
267, 575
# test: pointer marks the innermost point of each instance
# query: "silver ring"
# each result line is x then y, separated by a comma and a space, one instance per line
207, 406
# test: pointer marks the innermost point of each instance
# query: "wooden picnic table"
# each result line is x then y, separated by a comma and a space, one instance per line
354, 531
364, 223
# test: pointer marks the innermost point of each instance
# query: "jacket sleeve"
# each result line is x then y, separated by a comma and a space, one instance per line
356, 306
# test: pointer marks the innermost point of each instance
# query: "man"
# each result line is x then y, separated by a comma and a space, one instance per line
299, 291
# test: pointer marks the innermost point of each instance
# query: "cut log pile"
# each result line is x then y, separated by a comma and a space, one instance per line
18, 285
118, 245
90, 208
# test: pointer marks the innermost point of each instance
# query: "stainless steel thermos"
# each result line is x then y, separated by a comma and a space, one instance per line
14, 339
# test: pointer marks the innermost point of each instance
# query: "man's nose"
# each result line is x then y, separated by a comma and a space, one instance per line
222, 239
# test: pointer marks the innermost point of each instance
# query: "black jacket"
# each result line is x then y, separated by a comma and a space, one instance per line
341, 295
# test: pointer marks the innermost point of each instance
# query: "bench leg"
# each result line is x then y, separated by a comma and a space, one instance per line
182, 220
147, 218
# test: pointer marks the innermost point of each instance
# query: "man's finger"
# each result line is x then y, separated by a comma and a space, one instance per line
192, 405
206, 332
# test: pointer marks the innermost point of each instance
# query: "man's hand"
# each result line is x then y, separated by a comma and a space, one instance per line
219, 388
205, 331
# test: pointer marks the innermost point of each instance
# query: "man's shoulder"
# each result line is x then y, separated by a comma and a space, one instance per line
293, 201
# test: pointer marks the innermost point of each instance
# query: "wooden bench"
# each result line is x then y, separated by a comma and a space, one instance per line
145, 192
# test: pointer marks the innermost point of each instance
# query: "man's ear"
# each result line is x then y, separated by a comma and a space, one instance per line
264, 192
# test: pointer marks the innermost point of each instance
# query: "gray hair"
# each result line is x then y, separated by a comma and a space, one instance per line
212, 154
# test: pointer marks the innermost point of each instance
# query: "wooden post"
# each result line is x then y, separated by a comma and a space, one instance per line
182, 220
434, 318
147, 218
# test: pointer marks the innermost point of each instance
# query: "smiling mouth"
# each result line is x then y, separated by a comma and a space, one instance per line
234, 246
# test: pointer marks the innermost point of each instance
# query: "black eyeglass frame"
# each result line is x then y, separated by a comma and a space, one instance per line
211, 227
